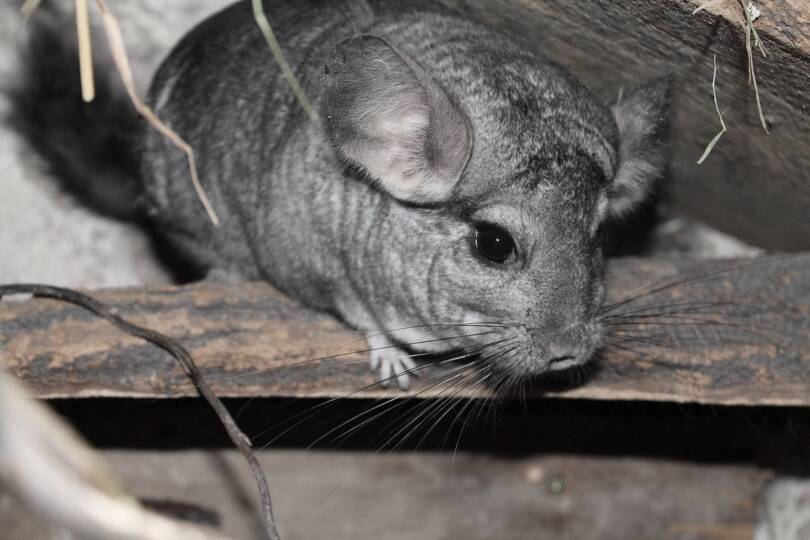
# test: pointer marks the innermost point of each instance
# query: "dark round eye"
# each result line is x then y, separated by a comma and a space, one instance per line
493, 242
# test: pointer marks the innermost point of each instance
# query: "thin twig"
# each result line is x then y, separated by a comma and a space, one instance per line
166, 343
716, 138
281, 60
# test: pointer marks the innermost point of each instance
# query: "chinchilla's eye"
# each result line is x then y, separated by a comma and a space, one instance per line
493, 242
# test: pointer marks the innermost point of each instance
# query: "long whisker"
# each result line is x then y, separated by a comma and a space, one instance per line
487, 358
643, 355
686, 307
475, 410
351, 353
654, 341
482, 324
404, 401
670, 319
398, 402
312, 411
427, 407
680, 280
451, 401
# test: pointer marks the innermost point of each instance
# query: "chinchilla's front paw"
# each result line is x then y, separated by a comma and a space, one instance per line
223, 276
390, 361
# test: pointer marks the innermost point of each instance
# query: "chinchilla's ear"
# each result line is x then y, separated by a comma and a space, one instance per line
388, 118
643, 118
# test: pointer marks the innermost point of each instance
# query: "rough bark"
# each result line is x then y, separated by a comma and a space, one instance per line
716, 332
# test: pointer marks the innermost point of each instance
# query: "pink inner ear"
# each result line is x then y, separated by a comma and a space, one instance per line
395, 122
391, 149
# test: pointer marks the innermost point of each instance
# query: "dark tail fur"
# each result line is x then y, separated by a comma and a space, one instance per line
90, 147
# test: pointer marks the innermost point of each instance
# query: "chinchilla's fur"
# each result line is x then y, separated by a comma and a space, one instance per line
431, 125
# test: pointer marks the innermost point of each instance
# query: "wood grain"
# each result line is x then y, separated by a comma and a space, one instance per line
737, 335
754, 185
426, 495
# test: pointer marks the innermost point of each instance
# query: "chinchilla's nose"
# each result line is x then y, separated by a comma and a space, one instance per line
565, 354
564, 348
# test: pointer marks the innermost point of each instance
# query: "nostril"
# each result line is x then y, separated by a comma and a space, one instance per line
563, 350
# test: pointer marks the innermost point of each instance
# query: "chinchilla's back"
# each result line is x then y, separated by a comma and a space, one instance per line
264, 164
222, 91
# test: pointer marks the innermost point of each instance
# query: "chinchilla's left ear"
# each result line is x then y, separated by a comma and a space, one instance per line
388, 118
643, 117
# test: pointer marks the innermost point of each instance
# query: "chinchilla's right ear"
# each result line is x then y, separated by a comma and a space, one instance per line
643, 117
391, 120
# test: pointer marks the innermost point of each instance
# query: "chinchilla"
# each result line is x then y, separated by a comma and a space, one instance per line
450, 198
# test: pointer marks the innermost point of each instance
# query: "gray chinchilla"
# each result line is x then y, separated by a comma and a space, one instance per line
450, 199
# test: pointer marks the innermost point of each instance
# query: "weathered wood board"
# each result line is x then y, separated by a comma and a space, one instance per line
754, 185
361, 496
740, 334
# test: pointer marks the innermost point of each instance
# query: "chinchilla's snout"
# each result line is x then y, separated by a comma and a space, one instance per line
563, 327
558, 348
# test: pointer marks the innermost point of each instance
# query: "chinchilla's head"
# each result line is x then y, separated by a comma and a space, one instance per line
506, 169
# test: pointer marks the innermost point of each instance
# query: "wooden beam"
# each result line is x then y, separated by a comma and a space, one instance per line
754, 185
738, 335
348, 495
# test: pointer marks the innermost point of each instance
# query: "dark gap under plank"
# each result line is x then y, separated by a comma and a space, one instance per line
771, 437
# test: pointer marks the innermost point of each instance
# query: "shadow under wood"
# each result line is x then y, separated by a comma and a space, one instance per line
776, 438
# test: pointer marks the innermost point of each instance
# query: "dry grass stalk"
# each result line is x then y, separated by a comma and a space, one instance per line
85, 51
28, 7
751, 40
716, 138
281, 60
116, 42
121, 60
750, 32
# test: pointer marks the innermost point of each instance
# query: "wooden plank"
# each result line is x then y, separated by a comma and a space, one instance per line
359, 496
749, 344
754, 185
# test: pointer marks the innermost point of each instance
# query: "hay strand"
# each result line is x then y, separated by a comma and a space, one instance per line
281, 60
750, 13
750, 32
28, 7
716, 138
121, 60
116, 42
85, 51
